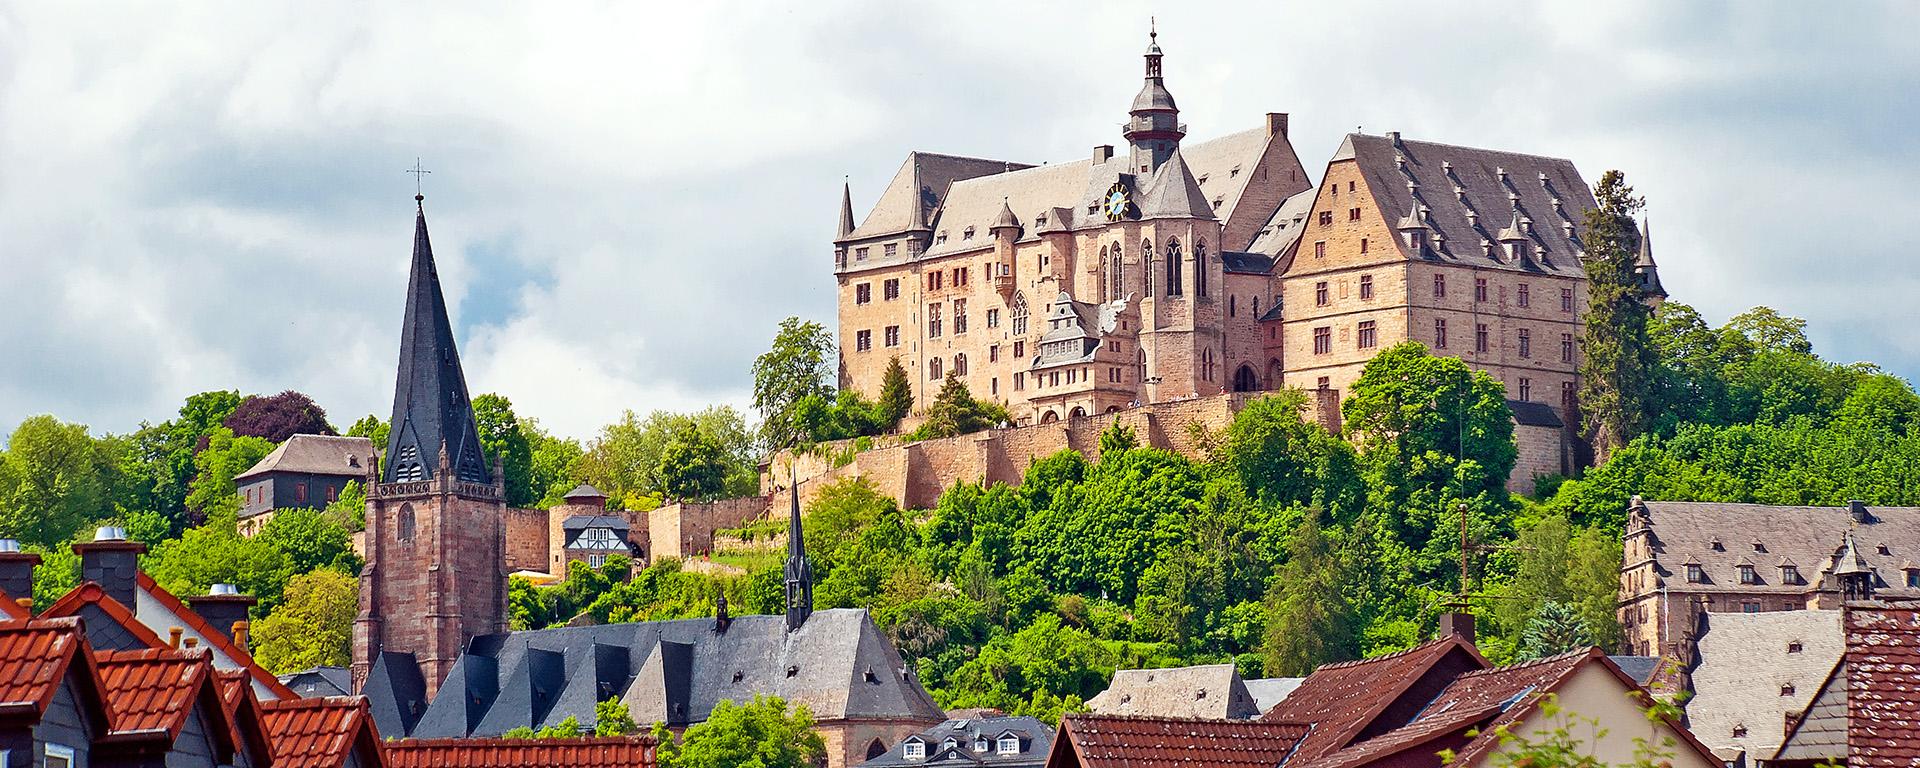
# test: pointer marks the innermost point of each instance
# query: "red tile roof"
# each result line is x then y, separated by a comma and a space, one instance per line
236, 692
1883, 686
89, 593
153, 689
35, 655
215, 638
591, 752
1341, 700
1509, 693
321, 732
1106, 741
1427, 735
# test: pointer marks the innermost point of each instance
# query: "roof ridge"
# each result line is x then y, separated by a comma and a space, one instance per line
1542, 661
1446, 145
950, 156
1384, 657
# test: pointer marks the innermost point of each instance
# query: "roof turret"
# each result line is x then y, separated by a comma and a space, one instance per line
1006, 219
846, 211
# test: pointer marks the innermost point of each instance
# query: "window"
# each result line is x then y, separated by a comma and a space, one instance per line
59, 756
980, 744
892, 249
1364, 335
596, 559
914, 750
862, 341
1326, 218
1480, 337
893, 335
960, 275
1019, 349
1789, 574
1479, 289
1233, 306
959, 316
1566, 347
933, 320
1526, 343
994, 385
859, 254
1366, 284
1320, 294
935, 280
1526, 390
1751, 606
1019, 318
1353, 214
1526, 296
1786, 689
993, 354
1322, 340
933, 369
1913, 577
1200, 267
1740, 731
960, 364
1566, 396
1173, 268
1009, 745
890, 290
1019, 381
1363, 245
993, 317
1439, 286
863, 293
1566, 299
1320, 249
1696, 574
333, 495
968, 234
1323, 384
1115, 275
1440, 333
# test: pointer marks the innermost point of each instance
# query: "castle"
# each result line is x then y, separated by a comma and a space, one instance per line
1173, 269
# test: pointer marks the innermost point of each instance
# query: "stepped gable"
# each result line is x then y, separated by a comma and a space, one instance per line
323, 732
589, 752
1501, 189
1350, 701
837, 663
1109, 741
431, 408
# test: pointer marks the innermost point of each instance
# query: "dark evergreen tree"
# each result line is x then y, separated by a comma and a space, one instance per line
896, 395
1309, 619
1617, 371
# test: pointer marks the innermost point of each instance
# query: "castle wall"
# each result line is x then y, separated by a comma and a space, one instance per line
685, 530
528, 539
1542, 451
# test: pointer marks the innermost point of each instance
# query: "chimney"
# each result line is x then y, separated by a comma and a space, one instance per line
1276, 124
223, 606
16, 570
721, 621
113, 562
1856, 509
1102, 153
1457, 624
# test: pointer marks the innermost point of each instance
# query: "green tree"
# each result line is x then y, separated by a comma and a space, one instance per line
310, 540
1309, 619
164, 453
956, 412
799, 364
764, 733
1282, 459
372, 428
692, 465
896, 394
623, 461
349, 511
555, 463
1554, 628
503, 440
214, 553
611, 718
54, 480
312, 627
1617, 366
213, 491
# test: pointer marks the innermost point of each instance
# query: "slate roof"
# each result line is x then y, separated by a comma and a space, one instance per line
590, 752
1806, 537
322, 732
1174, 193
431, 407
1209, 691
1883, 685
1640, 668
396, 693
1342, 700
1278, 235
1106, 741
1446, 183
1268, 692
577, 523
585, 491
838, 664
316, 455
1531, 414
320, 681
1246, 263
1036, 740
1746, 664
919, 187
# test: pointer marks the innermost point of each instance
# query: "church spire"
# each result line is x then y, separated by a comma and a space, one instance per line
1645, 272
1153, 124
846, 210
430, 404
799, 572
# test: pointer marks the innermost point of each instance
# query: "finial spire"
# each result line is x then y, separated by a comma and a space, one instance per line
799, 573
846, 207
419, 197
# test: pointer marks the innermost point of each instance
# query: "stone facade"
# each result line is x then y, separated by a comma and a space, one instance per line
685, 530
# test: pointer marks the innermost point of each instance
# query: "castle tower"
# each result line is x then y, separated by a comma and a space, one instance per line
1153, 124
435, 512
799, 571
1646, 274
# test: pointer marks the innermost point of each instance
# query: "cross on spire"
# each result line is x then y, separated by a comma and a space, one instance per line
417, 172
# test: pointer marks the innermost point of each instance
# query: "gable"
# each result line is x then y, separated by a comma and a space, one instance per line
66, 721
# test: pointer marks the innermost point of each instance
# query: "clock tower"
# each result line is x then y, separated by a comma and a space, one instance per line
1153, 124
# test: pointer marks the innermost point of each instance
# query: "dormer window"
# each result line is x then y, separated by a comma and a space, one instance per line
1234, 173
940, 238
1740, 731
1759, 547
1696, 574
968, 234
1913, 577
949, 743
914, 750
1786, 689
1882, 549
980, 744
1795, 646
1009, 745
1203, 179
1747, 575
1789, 574
1716, 546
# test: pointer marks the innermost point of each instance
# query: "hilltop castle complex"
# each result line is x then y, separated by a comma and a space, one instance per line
1171, 269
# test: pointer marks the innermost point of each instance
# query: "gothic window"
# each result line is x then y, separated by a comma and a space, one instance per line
1019, 314
1142, 363
1206, 364
876, 749
959, 316
403, 527
407, 467
1146, 266
933, 369
1173, 268
1106, 294
1200, 267
960, 364
1115, 274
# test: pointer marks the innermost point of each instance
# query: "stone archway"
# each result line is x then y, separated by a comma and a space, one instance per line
1049, 417
1245, 380
1078, 413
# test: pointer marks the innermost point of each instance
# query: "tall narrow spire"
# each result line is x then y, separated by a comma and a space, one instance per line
799, 571
846, 210
1645, 271
431, 409
1153, 125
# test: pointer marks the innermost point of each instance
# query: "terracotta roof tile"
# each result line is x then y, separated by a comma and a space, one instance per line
1105, 741
1341, 700
34, 656
215, 638
153, 689
320, 732
1883, 699
590, 752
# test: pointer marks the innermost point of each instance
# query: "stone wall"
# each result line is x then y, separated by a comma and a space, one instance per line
684, 530
1542, 451
528, 541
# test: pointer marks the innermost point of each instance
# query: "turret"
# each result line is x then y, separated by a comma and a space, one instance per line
799, 573
1006, 231
1645, 273
1853, 573
1153, 125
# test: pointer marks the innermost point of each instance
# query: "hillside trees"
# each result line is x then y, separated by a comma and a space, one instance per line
503, 440
896, 395
313, 627
54, 480
798, 365
275, 418
624, 460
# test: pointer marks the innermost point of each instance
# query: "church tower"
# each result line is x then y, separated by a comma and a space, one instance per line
799, 572
436, 511
1153, 124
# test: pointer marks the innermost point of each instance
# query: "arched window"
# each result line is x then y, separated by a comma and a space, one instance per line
1173, 268
876, 749
933, 369
960, 364
1019, 314
1146, 266
1105, 294
403, 526
1244, 380
1114, 276
1206, 364
1200, 267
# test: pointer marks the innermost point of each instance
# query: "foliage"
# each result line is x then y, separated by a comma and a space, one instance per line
504, 441
623, 462
763, 733
896, 395
214, 553
693, 465
57, 574
1617, 364
568, 728
555, 464
275, 418
162, 455
1557, 738
955, 412
797, 366
1577, 570
373, 428
213, 491
349, 510
1282, 459
1309, 620
54, 479
313, 627
1554, 628
611, 718
310, 540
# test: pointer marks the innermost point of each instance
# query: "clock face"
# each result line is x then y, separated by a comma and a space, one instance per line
1116, 202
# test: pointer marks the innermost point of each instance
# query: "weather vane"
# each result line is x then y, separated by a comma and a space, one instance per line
417, 172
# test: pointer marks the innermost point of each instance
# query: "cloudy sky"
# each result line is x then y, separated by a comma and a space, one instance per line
626, 198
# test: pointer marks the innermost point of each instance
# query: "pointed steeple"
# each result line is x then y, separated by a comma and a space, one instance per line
846, 211
1174, 193
1855, 576
1006, 219
431, 409
1645, 271
799, 572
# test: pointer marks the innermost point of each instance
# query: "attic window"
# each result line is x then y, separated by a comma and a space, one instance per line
1696, 574
940, 238
1759, 547
1040, 219
915, 750
1217, 201
1716, 546
1199, 694
1747, 575
1203, 179
1234, 173
739, 675
1794, 646
792, 670
967, 235
1009, 745
1740, 731
872, 678
1882, 549
1786, 689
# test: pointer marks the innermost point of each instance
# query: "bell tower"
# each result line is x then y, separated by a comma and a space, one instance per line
435, 574
1153, 124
